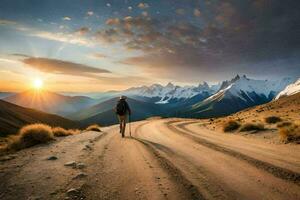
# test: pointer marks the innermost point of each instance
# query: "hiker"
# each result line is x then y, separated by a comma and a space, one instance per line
122, 110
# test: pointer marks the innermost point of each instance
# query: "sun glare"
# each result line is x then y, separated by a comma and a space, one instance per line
38, 83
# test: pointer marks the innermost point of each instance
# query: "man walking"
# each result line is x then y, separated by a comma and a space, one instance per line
122, 110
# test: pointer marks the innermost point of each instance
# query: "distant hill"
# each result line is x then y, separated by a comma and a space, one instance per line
13, 117
104, 113
51, 102
6, 94
287, 108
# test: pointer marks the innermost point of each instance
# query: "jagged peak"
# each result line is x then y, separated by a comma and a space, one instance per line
204, 83
170, 84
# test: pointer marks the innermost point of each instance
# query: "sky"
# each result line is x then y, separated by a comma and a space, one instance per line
99, 45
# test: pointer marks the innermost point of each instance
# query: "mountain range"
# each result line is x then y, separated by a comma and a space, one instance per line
235, 95
201, 101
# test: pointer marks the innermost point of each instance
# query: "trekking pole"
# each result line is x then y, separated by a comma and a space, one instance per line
129, 126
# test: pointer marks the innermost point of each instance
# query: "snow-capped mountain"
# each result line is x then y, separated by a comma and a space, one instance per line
170, 92
290, 89
237, 94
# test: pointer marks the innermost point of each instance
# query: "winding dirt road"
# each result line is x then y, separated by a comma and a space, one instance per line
164, 159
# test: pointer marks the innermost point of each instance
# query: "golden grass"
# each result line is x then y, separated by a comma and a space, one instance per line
94, 127
231, 125
290, 133
34, 134
31, 135
61, 132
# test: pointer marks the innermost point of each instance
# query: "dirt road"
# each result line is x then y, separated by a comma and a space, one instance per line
164, 159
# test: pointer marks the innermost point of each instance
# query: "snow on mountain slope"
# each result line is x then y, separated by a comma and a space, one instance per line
290, 89
169, 92
243, 85
235, 95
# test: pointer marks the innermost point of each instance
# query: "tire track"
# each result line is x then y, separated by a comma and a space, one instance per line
175, 173
279, 172
203, 182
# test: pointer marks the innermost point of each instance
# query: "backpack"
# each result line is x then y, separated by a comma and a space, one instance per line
121, 108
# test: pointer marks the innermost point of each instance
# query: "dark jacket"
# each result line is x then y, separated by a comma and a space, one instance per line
127, 108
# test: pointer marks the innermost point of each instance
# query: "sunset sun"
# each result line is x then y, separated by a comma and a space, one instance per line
38, 83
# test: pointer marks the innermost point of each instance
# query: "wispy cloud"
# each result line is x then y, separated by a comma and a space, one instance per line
143, 5
89, 13
97, 56
56, 66
63, 37
66, 18
7, 22
82, 31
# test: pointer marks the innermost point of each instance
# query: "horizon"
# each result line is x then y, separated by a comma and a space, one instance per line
94, 46
85, 93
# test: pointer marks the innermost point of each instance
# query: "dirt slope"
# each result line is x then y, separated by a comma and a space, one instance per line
165, 159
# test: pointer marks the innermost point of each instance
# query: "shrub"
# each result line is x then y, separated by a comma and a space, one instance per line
94, 127
273, 119
60, 132
74, 131
290, 133
31, 135
283, 124
252, 127
230, 125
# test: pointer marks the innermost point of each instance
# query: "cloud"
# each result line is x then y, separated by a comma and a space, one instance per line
112, 21
180, 11
82, 31
197, 12
143, 5
7, 22
66, 18
145, 13
89, 13
62, 67
62, 37
20, 55
230, 35
98, 56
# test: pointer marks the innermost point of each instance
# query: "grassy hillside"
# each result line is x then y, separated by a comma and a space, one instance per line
13, 117
287, 109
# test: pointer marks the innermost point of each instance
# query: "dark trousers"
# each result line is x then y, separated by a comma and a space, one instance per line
122, 121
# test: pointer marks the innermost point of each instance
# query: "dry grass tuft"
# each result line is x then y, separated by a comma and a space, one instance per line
75, 131
283, 124
252, 127
94, 127
273, 119
290, 133
231, 125
60, 132
31, 135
